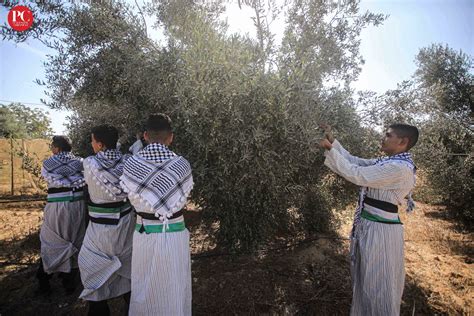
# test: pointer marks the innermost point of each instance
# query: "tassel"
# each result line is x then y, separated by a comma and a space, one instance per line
165, 225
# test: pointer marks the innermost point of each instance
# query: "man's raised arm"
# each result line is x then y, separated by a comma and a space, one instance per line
336, 145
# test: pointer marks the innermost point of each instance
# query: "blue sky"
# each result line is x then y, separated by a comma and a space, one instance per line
389, 50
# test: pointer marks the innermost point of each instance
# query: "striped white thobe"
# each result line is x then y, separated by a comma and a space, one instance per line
377, 254
161, 270
106, 253
62, 230
61, 235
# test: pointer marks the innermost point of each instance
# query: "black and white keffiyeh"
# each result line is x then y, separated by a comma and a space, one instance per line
160, 179
405, 159
63, 170
106, 169
156, 152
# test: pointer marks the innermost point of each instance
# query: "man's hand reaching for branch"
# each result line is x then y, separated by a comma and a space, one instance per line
327, 132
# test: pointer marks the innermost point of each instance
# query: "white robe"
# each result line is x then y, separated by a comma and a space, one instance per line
106, 253
61, 235
161, 271
377, 254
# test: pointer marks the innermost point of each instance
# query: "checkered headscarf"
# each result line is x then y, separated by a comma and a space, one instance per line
156, 152
63, 170
159, 178
406, 159
107, 169
111, 162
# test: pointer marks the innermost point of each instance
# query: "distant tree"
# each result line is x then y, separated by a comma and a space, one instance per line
20, 121
447, 151
447, 75
9, 126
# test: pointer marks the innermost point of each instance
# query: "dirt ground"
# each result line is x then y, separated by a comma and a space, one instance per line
309, 277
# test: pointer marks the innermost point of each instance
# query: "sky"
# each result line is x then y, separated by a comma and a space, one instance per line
389, 50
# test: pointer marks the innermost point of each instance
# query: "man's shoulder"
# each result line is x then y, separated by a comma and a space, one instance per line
183, 159
183, 164
48, 161
129, 159
89, 159
133, 161
401, 165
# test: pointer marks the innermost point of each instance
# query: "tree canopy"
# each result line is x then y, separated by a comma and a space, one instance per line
20, 121
245, 110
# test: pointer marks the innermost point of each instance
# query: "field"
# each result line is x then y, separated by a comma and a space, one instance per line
294, 276
23, 181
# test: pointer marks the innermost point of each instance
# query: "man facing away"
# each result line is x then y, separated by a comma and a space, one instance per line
377, 254
64, 225
158, 182
106, 253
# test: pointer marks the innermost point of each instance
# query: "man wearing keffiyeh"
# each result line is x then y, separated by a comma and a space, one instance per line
106, 253
158, 183
63, 227
377, 247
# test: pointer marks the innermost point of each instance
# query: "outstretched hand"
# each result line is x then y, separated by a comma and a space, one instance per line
327, 132
326, 144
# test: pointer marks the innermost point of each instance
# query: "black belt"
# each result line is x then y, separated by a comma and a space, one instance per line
152, 217
110, 221
108, 205
60, 190
382, 205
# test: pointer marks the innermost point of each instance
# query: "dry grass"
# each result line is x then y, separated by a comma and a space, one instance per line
311, 278
439, 257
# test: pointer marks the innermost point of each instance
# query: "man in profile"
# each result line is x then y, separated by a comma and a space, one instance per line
377, 254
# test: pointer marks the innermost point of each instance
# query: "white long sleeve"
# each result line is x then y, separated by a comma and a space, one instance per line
352, 159
389, 182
